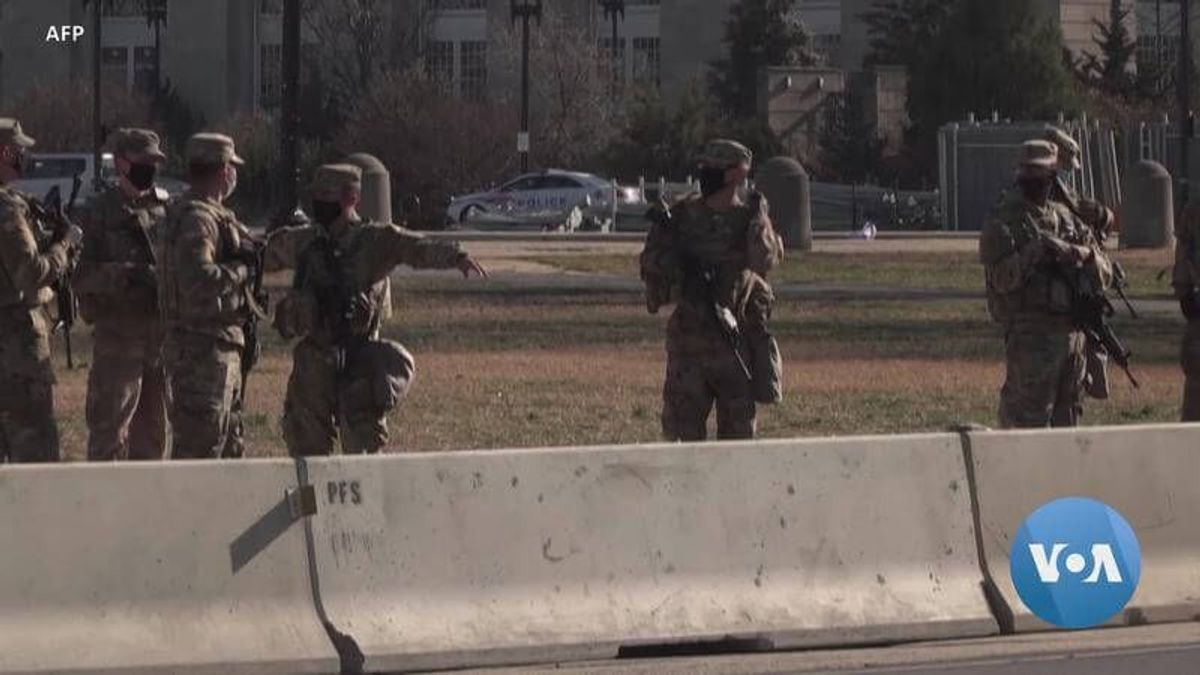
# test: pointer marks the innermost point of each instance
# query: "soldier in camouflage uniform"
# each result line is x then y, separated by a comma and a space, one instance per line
1185, 279
344, 378
709, 250
1101, 220
1033, 250
27, 427
204, 297
118, 293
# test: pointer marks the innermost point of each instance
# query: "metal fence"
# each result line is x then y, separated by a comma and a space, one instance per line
976, 162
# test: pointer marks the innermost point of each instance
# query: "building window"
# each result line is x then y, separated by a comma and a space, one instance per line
444, 5
472, 66
612, 66
270, 7
1158, 51
270, 76
114, 66
143, 69
647, 61
123, 8
827, 45
439, 63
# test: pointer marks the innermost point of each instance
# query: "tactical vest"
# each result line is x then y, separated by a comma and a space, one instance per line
347, 310
713, 241
125, 233
177, 306
1044, 293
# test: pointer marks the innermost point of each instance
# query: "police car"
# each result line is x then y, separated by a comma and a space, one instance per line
551, 198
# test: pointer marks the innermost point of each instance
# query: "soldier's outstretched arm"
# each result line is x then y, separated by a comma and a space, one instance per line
393, 246
200, 276
28, 269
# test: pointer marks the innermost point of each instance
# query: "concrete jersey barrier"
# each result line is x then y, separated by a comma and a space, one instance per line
1150, 474
130, 569
477, 558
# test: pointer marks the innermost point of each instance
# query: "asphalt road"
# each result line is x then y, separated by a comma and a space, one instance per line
1172, 649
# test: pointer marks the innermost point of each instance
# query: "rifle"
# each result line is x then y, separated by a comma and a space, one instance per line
49, 210
706, 278
1092, 310
252, 253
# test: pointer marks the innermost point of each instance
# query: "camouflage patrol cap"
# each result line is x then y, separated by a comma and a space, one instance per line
334, 179
138, 145
210, 148
1068, 147
722, 152
11, 134
1038, 155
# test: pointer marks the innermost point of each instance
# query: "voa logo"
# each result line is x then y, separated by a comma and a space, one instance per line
1075, 562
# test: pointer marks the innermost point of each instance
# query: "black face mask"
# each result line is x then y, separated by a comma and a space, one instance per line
326, 212
18, 164
1035, 188
142, 175
712, 180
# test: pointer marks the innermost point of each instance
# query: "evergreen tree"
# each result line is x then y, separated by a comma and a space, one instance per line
900, 30
1111, 71
759, 33
990, 56
850, 150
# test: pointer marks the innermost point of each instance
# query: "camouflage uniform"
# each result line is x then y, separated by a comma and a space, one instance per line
204, 301
339, 301
27, 428
1101, 220
1185, 279
117, 289
1045, 352
739, 246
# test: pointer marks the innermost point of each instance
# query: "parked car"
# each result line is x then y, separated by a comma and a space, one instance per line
46, 170
546, 200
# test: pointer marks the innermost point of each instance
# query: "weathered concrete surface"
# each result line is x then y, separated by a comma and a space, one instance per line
1151, 474
1172, 649
128, 568
449, 560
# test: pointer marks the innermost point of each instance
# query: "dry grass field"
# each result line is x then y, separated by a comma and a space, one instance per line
520, 369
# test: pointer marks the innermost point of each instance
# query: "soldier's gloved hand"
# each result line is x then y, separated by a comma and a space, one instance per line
1190, 306
241, 273
72, 236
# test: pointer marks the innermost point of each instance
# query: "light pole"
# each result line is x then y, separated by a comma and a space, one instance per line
289, 114
525, 10
611, 9
97, 127
1185, 100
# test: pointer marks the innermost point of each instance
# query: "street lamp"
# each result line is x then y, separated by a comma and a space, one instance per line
1186, 125
289, 114
525, 10
611, 9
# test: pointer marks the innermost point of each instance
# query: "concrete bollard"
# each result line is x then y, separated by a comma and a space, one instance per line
784, 182
376, 188
1147, 215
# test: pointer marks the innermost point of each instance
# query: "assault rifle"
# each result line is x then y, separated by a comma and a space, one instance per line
1092, 310
49, 212
703, 277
